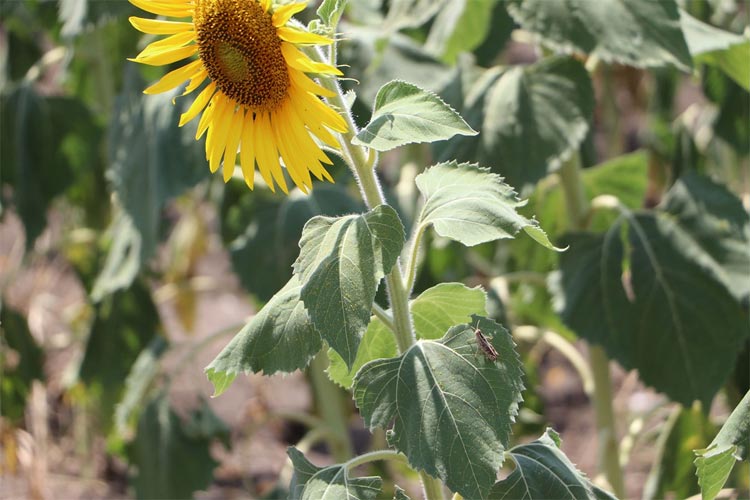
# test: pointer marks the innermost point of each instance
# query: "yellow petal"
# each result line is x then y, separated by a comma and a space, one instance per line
172, 41
285, 12
300, 37
233, 142
167, 56
266, 4
199, 103
302, 81
296, 59
165, 8
207, 116
266, 153
159, 27
220, 127
196, 80
174, 78
311, 120
247, 150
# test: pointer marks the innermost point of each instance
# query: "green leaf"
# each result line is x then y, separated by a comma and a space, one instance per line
656, 307
543, 471
451, 406
725, 50
172, 457
469, 204
21, 362
124, 324
151, 160
340, 264
400, 494
330, 11
405, 114
640, 33
433, 312
535, 117
719, 227
141, 376
328, 483
461, 26
280, 338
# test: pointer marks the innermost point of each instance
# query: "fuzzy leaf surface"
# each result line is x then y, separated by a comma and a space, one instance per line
543, 471
328, 483
341, 262
451, 406
405, 114
280, 338
640, 33
434, 312
535, 117
471, 205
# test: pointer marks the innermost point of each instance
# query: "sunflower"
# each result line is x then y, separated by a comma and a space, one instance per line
260, 99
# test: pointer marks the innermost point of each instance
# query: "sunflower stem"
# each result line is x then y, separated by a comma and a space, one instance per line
331, 405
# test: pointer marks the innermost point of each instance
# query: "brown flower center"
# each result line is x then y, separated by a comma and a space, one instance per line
241, 52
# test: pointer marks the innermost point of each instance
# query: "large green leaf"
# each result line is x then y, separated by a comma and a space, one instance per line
328, 483
718, 226
151, 160
543, 472
471, 205
21, 362
647, 292
404, 114
451, 407
709, 45
47, 142
280, 337
173, 457
433, 313
462, 25
340, 265
715, 463
535, 117
641, 33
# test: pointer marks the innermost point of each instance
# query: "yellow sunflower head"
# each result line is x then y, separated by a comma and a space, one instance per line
260, 100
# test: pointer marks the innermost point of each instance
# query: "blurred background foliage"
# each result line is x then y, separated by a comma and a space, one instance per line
122, 260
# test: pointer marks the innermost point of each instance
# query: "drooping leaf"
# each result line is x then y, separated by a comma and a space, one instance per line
21, 362
404, 114
534, 118
151, 160
341, 262
543, 471
719, 227
451, 406
328, 483
172, 457
124, 324
639, 33
280, 337
433, 313
471, 205
732, 443
644, 290
709, 45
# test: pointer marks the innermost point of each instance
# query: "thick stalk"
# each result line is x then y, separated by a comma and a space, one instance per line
330, 403
578, 207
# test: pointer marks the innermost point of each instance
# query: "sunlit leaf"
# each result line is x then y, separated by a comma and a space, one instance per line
341, 262
461, 25
451, 406
328, 483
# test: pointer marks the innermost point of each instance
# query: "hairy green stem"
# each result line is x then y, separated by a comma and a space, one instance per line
383, 316
579, 207
331, 405
374, 456
413, 263
433, 488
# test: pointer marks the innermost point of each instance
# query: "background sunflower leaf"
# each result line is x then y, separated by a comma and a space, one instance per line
715, 463
405, 114
535, 117
471, 205
459, 404
543, 471
280, 338
460, 26
340, 265
330, 11
434, 311
639, 33
328, 483
620, 289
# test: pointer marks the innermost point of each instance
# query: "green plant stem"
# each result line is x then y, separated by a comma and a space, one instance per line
383, 316
374, 456
433, 488
331, 406
578, 208
413, 263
